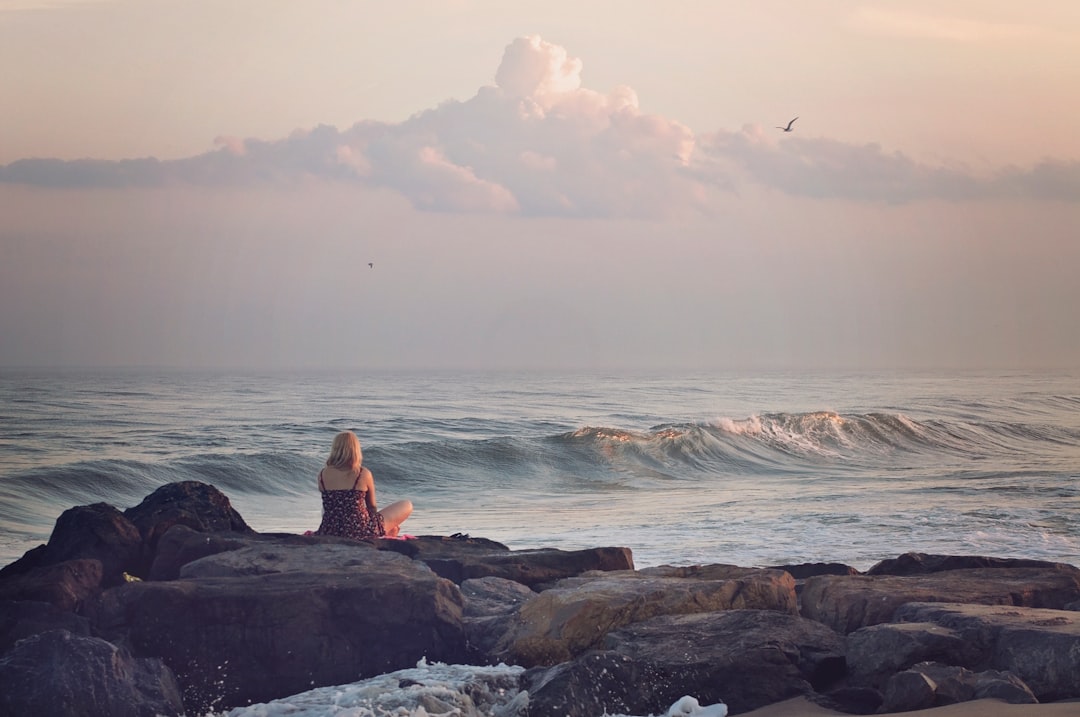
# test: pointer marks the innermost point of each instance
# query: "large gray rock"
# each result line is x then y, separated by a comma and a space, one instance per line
57, 673
576, 614
930, 684
252, 635
877, 652
489, 607
595, 683
264, 558
847, 603
908, 691
1041, 647
744, 658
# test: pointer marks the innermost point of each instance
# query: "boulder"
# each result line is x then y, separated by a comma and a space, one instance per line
264, 558
908, 691
65, 585
23, 618
1041, 647
595, 683
930, 684
199, 506
923, 563
86, 677
33, 558
493, 597
97, 531
533, 568
575, 615
744, 658
431, 547
489, 607
251, 635
877, 652
847, 603
801, 571
180, 545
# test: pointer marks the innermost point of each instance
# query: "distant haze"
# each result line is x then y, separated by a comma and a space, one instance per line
199, 184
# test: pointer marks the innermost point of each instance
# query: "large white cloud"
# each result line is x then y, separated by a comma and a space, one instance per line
539, 142
536, 142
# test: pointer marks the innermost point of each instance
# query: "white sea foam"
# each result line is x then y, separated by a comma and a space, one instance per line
431, 690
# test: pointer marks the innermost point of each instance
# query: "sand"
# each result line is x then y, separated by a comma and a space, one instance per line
800, 707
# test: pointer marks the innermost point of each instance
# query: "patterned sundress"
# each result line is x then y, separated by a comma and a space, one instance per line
345, 513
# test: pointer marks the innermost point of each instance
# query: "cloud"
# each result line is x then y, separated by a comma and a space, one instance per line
540, 143
829, 169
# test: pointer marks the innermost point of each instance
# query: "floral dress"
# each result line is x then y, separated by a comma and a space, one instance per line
345, 513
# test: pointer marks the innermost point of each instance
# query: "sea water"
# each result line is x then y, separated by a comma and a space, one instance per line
685, 468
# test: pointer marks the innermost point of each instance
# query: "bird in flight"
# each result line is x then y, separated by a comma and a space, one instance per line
788, 128
371, 265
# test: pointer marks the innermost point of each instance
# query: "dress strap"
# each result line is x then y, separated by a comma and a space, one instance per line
322, 488
357, 481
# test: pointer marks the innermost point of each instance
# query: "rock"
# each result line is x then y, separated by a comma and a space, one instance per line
930, 684
430, 547
875, 653
533, 568
33, 558
764, 642
847, 603
573, 617
451, 558
908, 691
97, 531
923, 563
596, 683
744, 658
489, 607
180, 545
199, 506
23, 618
802, 571
1041, 647
87, 677
257, 637
266, 557
66, 585
493, 597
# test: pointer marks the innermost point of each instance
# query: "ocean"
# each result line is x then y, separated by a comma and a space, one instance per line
685, 468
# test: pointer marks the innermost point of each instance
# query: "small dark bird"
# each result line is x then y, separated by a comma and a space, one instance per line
371, 265
788, 128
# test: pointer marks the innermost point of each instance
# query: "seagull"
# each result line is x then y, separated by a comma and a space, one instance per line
371, 265
788, 128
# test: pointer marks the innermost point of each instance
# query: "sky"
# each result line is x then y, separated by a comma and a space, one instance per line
266, 184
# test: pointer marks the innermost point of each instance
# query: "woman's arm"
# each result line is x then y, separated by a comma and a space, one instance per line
367, 483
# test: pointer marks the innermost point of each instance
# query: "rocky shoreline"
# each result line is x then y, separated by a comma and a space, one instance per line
177, 607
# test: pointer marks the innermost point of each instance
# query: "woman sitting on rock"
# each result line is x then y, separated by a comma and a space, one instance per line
348, 496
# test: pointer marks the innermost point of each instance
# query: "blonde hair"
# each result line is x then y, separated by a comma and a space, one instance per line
345, 453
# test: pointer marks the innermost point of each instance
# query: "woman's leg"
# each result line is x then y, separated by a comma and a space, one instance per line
394, 515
